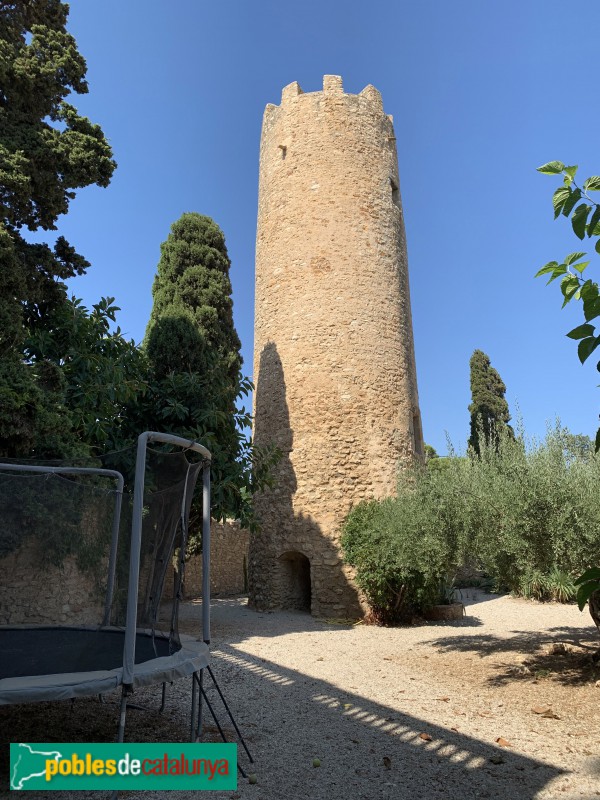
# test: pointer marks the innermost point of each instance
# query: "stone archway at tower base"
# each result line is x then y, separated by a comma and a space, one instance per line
294, 581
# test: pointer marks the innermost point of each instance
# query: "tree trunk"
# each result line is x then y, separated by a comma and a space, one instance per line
594, 606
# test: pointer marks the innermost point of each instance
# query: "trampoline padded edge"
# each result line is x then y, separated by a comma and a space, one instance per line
192, 656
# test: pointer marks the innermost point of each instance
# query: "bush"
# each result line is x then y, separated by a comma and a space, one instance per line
400, 561
527, 514
535, 510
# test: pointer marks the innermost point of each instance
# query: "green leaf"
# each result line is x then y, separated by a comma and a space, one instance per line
585, 592
557, 272
551, 168
581, 266
559, 198
570, 202
569, 296
592, 184
597, 247
570, 172
550, 267
594, 223
581, 331
591, 308
569, 287
586, 347
573, 257
569, 284
589, 290
591, 574
579, 219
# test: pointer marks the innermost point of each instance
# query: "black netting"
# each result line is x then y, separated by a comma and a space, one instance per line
57, 531
55, 538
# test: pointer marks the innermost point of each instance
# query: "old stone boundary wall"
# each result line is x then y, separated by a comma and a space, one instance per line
31, 594
229, 544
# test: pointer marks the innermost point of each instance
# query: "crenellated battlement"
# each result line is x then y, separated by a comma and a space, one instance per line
332, 87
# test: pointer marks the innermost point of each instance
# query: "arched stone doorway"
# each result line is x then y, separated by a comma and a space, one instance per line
294, 581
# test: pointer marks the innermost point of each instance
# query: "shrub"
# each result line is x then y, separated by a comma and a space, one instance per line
527, 514
543, 512
400, 561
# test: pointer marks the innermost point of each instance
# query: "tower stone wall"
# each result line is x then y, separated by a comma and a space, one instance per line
334, 363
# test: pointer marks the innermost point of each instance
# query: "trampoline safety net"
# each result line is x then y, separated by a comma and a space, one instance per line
65, 541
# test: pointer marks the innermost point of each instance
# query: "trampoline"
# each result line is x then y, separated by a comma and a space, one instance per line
54, 663
91, 618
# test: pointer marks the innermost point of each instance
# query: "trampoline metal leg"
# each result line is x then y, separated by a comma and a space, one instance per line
193, 712
196, 715
140, 707
220, 729
198, 735
121, 730
122, 718
230, 715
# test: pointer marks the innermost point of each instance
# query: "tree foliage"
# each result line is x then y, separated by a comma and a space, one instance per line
47, 151
576, 203
192, 352
191, 325
526, 514
100, 371
70, 383
489, 410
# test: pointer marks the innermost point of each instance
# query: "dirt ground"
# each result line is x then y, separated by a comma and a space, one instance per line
502, 704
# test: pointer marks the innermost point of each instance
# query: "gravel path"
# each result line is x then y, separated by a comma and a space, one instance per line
438, 710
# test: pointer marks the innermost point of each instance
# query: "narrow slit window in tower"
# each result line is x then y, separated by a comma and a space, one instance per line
417, 434
395, 192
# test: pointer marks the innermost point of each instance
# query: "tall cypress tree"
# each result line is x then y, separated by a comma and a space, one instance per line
194, 355
488, 408
191, 325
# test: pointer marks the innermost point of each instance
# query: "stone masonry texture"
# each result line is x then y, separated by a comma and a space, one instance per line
35, 592
228, 563
334, 363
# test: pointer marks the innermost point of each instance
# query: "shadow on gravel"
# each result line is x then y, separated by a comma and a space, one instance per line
367, 750
245, 621
562, 654
375, 751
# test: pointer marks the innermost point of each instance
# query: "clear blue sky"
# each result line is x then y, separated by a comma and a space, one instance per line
481, 94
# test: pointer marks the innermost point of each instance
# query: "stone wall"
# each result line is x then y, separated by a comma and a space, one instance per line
34, 592
334, 365
228, 563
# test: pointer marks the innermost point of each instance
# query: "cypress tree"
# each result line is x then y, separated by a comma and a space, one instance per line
488, 408
191, 325
193, 352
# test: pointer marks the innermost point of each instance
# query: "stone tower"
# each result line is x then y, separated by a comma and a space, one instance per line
334, 362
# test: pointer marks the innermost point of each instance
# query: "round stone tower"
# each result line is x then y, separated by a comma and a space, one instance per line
334, 364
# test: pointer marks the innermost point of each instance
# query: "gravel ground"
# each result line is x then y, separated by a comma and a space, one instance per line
449, 710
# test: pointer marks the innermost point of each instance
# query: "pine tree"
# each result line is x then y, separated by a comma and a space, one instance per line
488, 408
46, 152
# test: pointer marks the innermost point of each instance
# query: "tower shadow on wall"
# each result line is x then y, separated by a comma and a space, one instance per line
292, 563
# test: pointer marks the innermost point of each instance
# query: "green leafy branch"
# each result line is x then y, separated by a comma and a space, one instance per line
588, 583
574, 201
